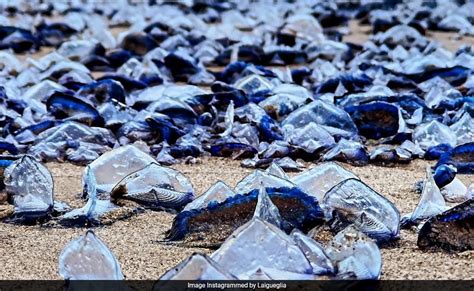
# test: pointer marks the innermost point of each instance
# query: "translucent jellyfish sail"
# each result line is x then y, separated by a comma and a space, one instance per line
197, 267
31, 186
352, 201
90, 213
431, 203
315, 253
265, 208
355, 255
229, 120
259, 243
318, 180
114, 165
88, 258
217, 193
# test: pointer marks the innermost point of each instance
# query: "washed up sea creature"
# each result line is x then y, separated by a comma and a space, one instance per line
461, 157
320, 179
266, 210
155, 187
217, 193
353, 202
431, 203
315, 253
456, 191
90, 214
348, 151
196, 267
432, 134
451, 230
444, 174
376, 119
218, 221
333, 119
53, 143
88, 258
115, 165
275, 170
257, 178
259, 243
30, 185
355, 255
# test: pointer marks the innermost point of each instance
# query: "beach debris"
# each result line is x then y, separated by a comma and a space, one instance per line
349, 151
451, 230
88, 258
195, 79
30, 185
353, 202
355, 255
96, 91
155, 187
432, 134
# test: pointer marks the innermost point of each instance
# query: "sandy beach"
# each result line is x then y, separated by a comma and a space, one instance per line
32, 252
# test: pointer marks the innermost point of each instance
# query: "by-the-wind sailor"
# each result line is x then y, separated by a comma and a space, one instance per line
318, 180
114, 165
217, 193
315, 253
216, 222
30, 184
335, 120
432, 134
91, 212
275, 170
444, 174
464, 129
88, 258
311, 138
452, 230
462, 157
259, 243
355, 255
52, 143
198, 267
375, 119
455, 191
353, 202
348, 151
431, 203
156, 187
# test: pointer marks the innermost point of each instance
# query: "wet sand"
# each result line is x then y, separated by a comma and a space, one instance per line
32, 252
